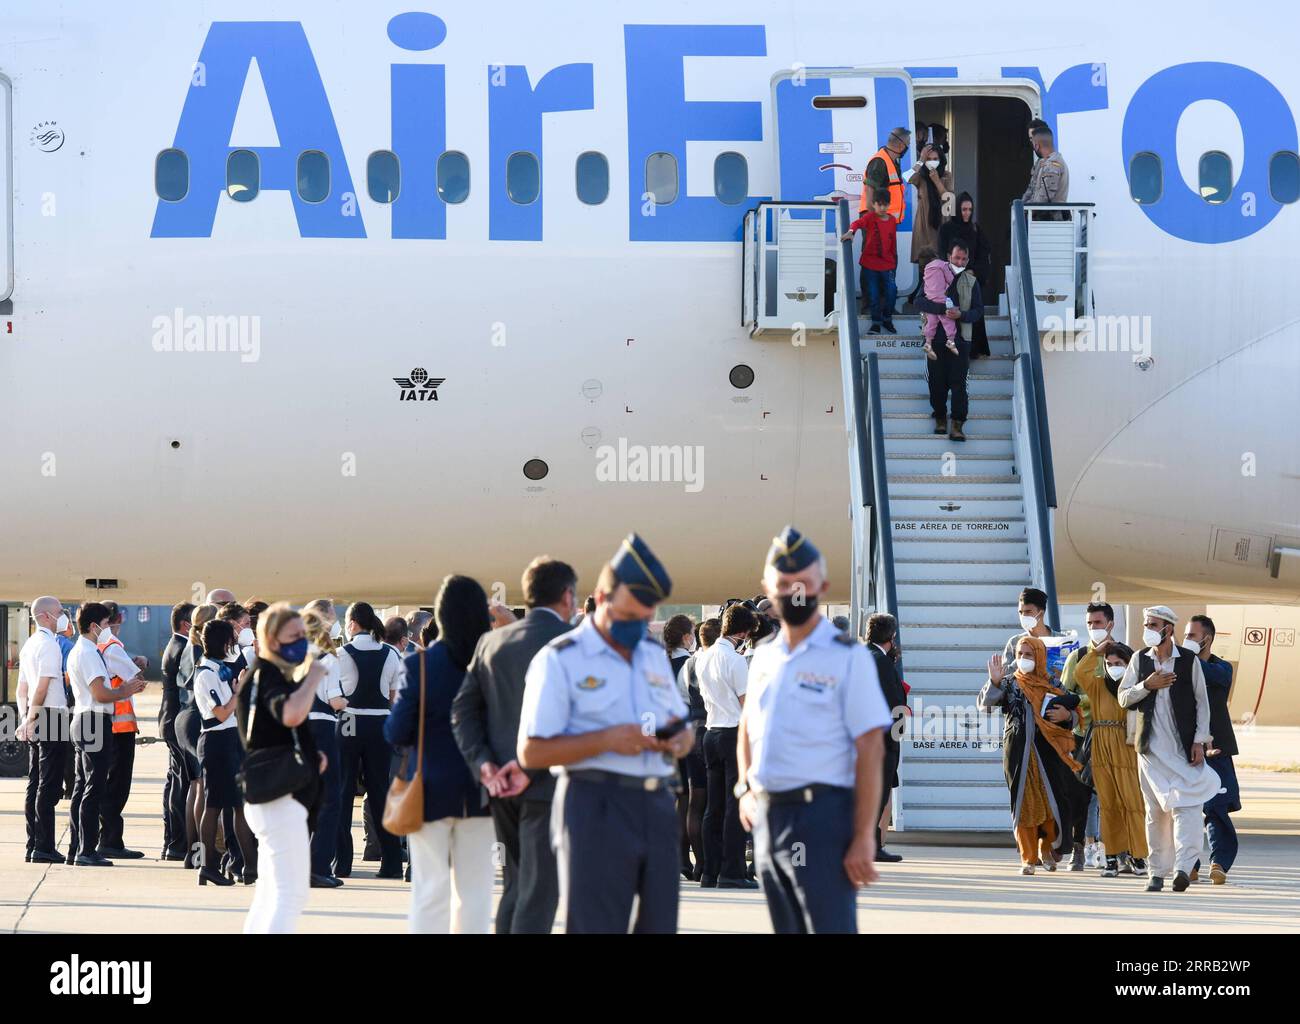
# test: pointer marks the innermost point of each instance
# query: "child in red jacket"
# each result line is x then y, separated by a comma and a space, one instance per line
879, 260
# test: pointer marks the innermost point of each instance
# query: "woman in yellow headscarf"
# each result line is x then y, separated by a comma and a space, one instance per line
1036, 753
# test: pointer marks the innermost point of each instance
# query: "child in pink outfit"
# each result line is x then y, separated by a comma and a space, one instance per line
937, 279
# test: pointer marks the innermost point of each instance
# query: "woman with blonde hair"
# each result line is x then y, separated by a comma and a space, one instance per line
321, 624
282, 769
1037, 754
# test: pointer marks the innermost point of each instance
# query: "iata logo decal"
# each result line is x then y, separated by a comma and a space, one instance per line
47, 137
419, 386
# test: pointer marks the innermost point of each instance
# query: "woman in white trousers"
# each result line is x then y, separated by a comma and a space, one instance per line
452, 853
285, 865
451, 876
273, 705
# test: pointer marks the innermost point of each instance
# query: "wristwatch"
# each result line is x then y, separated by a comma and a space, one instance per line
740, 789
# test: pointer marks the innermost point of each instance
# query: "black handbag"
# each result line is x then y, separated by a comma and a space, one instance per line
1084, 757
272, 772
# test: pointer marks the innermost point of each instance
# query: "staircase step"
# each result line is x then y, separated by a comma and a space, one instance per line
992, 637
962, 614
915, 383
958, 526
898, 400
950, 817
946, 592
972, 795
926, 485
986, 768
976, 416
936, 445
911, 570
954, 551
960, 466
996, 506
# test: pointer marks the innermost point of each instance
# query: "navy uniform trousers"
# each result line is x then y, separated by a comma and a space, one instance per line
46, 757
92, 737
175, 785
117, 790
329, 806
362, 747
799, 852
614, 842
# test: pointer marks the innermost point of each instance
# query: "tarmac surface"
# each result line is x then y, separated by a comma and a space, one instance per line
935, 889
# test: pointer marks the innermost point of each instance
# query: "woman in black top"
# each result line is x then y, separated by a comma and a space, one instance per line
965, 229
273, 706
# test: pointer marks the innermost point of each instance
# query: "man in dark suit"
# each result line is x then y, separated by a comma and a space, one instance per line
176, 785
485, 720
882, 640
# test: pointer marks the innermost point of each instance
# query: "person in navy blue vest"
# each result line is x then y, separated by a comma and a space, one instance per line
319, 621
451, 854
370, 675
1219, 828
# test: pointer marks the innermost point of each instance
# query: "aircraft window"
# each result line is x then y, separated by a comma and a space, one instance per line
313, 176
1215, 174
731, 178
661, 177
1284, 177
1146, 179
383, 176
523, 178
243, 176
171, 175
592, 172
453, 177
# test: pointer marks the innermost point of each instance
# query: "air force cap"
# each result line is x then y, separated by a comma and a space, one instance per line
791, 551
640, 571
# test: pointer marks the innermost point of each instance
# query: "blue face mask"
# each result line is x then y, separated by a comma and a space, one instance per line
294, 653
627, 633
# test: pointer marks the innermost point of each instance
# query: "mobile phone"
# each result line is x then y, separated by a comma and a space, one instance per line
667, 732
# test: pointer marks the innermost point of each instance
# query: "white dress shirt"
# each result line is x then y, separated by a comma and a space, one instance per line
211, 692
85, 665
40, 658
723, 675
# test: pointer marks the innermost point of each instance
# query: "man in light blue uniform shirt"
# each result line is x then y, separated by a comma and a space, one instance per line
811, 747
594, 700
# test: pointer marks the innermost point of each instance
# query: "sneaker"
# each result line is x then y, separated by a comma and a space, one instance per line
1076, 857
1195, 876
1111, 870
874, 329
1156, 884
1126, 864
1026, 869
889, 328
1181, 881
1217, 875
1139, 867
1048, 863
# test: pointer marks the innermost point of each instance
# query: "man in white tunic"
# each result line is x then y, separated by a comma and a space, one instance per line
1164, 685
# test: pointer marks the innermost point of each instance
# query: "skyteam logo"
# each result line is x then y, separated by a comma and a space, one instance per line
47, 137
419, 386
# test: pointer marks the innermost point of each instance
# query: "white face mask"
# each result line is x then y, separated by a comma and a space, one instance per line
245, 638
336, 631
1192, 645
956, 269
932, 164
1028, 622
62, 624
1026, 665
1151, 637
1097, 635
105, 634
1116, 672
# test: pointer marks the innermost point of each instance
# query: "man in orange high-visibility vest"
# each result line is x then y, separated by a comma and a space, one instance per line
884, 171
123, 669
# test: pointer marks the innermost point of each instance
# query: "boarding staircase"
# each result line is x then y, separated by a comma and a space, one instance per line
946, 533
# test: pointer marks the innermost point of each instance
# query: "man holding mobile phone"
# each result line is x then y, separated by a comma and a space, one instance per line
601, 703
